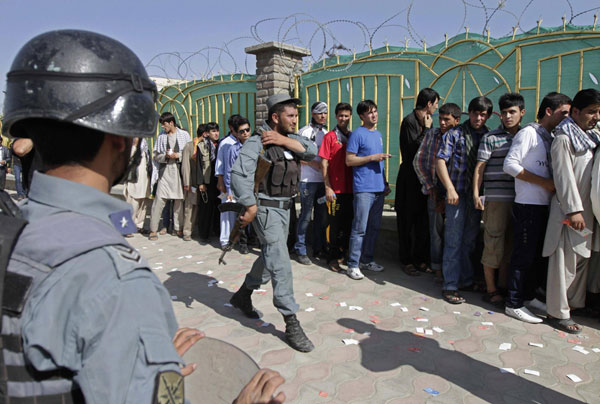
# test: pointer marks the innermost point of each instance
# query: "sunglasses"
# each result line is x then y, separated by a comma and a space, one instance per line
244, 130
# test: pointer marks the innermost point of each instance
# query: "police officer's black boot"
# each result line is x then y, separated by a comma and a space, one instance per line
242, 300
295, 336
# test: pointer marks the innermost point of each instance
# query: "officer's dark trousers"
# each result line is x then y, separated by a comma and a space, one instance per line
341, 213
271, 226
2, 177
413, 227
528, 269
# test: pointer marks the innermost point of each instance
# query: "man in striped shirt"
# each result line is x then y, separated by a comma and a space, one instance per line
424, 165
499, 191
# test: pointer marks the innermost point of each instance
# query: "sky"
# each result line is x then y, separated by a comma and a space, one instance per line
211, 36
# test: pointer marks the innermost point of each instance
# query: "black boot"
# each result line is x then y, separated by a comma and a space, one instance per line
242, 300
295, 336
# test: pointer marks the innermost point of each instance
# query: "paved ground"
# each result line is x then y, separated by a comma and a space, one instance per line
392, 362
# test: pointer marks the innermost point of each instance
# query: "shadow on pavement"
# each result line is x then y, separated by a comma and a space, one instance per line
387, 350
186, 287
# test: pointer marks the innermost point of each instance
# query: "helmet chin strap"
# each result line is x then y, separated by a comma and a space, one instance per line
132, 165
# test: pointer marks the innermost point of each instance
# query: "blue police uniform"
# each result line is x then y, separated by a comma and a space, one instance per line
94, 313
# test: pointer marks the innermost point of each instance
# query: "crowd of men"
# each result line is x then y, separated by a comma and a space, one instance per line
456, 182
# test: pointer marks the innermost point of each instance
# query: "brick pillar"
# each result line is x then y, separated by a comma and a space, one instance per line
276, 64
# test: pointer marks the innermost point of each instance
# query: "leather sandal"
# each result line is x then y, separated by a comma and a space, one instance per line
453, 297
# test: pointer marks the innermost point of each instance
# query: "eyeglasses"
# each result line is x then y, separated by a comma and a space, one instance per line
244, 130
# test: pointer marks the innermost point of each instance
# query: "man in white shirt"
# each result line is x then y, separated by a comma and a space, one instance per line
312, 189
529, 162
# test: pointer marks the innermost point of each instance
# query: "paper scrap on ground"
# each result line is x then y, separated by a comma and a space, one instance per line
160, 249
574, 341
581, 349
352, 308
423, 308
228, 305
395, 304
188, 256
456, 312
309, 309
414, 349
367, 333
349, 341
309, 294
174, 269
431, 391
144, 248
597, 350
157, 268
173, 297
343, 304
421, 319
507, 370
505, 346
531, 372
179, 258
428, 332
420, 330
212, 281
158, 263
265, 324
220, 282
404, 309
574, 378
209, 272
349, 330
260, 291
487, 323
438, 329
323, 393
536, 344
199, 262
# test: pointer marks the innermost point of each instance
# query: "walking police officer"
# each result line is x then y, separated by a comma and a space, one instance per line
271, 210
83, 317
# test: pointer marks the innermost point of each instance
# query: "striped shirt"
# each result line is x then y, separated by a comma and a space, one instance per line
494, 146
424, 161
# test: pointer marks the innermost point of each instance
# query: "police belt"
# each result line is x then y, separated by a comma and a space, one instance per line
269, 203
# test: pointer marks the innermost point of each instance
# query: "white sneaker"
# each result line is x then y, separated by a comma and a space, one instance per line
371, 266
523, 314
535, 304
354, 273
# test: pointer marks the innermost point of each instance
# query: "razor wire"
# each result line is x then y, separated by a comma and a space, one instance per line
341, 37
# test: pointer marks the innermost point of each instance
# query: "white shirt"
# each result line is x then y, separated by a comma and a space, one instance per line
307, 173
528, 152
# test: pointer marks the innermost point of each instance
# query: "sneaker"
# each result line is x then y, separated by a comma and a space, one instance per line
523, 314
371, 266
303, 259
537, 305
354, 273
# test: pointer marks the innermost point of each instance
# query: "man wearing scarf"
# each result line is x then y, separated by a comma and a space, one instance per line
312, 188
568, 239
137, 187
167, 159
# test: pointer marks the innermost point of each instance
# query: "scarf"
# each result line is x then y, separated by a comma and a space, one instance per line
580, 139
547, 138
343, 139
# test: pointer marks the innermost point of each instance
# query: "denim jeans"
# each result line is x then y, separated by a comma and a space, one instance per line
462, 226
436, 236
368, 207
17, 172
527, 266
309, 193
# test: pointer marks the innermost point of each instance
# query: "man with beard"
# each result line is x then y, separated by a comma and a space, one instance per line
271, 207
568, 239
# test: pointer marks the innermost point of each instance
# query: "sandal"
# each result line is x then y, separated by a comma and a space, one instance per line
424, 268
410, 270
495, 298
153, 236
564, 325
453, 297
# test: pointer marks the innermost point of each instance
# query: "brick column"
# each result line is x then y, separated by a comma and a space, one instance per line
276, 64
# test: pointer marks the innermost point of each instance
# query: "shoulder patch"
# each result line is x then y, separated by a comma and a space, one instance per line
126, 259
123, 222
168, 388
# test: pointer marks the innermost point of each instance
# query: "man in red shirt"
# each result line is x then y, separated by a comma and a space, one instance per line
337, 177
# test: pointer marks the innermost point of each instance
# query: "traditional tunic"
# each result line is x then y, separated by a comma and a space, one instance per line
137, 193
569, 251
188, 173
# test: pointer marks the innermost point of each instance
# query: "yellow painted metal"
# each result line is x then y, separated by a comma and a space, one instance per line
518, 69
362, 88
558, 74
464, 93
580, 69
387, 126
351, 90
401, 111
474, 81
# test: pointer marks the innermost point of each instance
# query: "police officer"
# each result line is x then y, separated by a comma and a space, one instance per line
271, 210
83, 317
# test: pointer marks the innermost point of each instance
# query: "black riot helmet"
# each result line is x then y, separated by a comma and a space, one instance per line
82, 78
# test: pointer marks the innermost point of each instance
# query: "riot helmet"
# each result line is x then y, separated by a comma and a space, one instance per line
83, 78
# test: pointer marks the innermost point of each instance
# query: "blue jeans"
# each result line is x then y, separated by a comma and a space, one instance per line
462, 226
436, 235
17, 172
368, 207
309, 193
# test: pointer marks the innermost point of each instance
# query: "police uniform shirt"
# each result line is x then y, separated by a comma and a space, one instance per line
102, 314
242, 173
